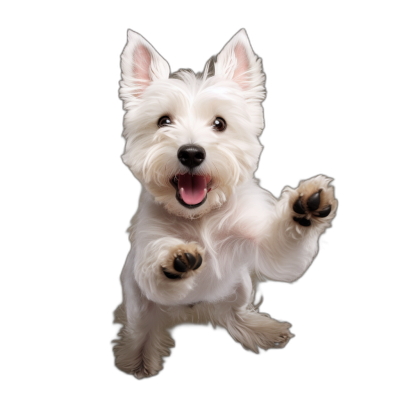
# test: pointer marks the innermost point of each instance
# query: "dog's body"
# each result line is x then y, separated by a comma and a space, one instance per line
205, 230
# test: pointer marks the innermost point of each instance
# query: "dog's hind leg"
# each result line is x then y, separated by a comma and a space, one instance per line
143, 339
244, 323
256, 330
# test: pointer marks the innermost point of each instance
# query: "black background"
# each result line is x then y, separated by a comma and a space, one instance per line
307, 56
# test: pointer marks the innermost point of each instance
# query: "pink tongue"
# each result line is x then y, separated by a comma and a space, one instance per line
192, 188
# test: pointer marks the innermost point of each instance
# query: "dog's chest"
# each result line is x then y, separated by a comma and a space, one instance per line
207, 234
226, 260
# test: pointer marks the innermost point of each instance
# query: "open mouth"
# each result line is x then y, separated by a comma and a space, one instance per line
191, 190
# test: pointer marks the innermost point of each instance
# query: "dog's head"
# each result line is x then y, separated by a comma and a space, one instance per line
191, 139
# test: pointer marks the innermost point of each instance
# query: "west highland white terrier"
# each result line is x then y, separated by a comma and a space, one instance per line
205, 230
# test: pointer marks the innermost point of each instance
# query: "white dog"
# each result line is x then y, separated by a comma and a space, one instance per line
205, 230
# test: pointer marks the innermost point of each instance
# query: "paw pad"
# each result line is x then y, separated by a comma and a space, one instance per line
183, 263
312, 207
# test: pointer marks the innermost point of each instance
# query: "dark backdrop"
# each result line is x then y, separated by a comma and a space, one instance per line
306, 55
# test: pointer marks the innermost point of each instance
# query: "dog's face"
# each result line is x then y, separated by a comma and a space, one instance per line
192, 138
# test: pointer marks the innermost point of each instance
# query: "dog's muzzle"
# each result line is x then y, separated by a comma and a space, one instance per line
191, 189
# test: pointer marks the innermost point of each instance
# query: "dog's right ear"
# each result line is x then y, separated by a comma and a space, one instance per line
141, 65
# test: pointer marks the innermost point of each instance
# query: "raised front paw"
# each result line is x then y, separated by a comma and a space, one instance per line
183, 261
314, 201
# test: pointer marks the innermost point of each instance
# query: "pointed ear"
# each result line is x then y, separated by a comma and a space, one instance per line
237, 62
141, 65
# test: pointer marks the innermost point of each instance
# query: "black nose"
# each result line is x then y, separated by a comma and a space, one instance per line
191, 155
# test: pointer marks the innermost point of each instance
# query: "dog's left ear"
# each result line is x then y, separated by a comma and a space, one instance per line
237, 62
141, 65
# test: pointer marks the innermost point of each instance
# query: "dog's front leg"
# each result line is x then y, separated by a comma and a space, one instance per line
290, 240
156, 275
166, 269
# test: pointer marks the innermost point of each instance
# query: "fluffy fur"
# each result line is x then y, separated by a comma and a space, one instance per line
241, 232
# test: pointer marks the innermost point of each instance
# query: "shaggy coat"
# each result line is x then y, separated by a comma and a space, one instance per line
205, 230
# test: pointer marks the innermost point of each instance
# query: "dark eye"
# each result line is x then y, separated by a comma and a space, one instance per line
164, 121
219, 124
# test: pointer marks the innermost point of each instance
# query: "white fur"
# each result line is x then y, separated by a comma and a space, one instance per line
241, 230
